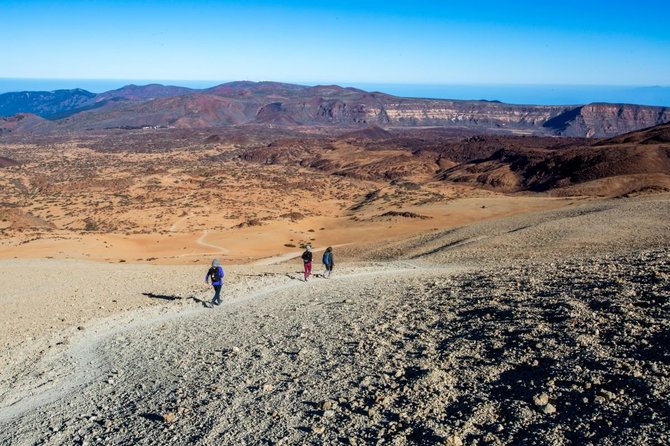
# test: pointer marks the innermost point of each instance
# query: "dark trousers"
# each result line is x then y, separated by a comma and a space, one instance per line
217, 294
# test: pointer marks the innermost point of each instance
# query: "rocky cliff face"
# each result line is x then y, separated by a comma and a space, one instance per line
468, 113
608, 120
594, 120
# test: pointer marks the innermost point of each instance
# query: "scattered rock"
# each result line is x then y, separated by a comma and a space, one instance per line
169, 417
541, 399
607, 394
328, 405
549, 409
454, 440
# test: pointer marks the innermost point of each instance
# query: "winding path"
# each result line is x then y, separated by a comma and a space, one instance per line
81, 365
201, 241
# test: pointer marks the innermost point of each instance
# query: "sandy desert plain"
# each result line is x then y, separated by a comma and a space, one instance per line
474, 301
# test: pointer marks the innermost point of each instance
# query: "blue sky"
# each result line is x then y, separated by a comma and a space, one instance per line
417, 42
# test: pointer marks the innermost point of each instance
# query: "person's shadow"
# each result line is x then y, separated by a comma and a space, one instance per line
204, 303
162, 296
300, 275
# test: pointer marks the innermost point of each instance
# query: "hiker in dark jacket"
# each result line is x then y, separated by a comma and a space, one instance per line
307, 260
215, 274
328, 262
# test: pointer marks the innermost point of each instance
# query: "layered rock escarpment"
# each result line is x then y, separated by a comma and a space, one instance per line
408, 112
593, 120
602, 120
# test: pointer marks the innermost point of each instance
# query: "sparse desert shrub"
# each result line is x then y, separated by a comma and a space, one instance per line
289, 245
90, 224
249, 223
293, 216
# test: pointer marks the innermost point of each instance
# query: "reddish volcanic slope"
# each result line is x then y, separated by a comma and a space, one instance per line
640, 159
374, 132
25, 123
561, 166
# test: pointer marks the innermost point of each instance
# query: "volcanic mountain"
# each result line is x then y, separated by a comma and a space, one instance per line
143, 92
289, 105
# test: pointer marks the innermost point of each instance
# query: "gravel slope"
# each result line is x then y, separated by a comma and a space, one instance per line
545, 329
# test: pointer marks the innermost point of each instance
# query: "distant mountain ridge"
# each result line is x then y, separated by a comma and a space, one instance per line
143, 92
280, 104
47, 104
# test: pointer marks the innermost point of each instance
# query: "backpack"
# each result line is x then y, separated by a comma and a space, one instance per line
307, 256
214, 274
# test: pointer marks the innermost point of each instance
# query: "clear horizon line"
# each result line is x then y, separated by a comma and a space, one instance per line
330, 82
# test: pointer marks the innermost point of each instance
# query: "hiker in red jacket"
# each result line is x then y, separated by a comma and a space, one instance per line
307, 260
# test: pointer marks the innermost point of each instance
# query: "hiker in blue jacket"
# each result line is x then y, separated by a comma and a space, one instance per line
215, 274
328, 262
